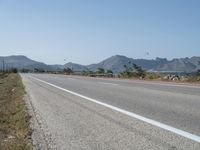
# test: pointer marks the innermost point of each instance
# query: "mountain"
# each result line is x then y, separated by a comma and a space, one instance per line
115, 63
20, 61
182, 65
75, 67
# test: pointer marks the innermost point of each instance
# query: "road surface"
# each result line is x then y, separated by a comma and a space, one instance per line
93, 113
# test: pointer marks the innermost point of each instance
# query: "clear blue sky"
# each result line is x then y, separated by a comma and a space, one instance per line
87, 31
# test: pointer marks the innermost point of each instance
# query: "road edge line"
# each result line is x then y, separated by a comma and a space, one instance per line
185, 134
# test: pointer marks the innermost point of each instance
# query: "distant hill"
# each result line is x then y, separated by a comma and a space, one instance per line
20, 61
115, 63
183, 64
75, 67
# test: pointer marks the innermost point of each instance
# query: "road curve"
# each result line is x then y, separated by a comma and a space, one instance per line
76, 123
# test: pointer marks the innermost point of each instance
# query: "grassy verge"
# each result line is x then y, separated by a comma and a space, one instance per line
14, 119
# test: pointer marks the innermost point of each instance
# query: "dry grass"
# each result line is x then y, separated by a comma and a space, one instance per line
14, 119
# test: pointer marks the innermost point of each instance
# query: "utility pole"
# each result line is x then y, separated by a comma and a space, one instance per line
3, 65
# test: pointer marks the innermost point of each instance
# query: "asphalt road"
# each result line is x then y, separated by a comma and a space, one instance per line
74, 122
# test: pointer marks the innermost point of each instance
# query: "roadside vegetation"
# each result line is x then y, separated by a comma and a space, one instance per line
14, 119
131, 71
100, 72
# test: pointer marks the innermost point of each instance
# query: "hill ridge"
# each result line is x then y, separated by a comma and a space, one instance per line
115, 63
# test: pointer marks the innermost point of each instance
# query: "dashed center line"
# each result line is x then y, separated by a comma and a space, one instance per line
107, 83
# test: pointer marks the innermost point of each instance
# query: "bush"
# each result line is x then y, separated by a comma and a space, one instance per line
68, 71
153, 76
25, 70
39, 70
13, 70
133, 70
100, 71
197, 73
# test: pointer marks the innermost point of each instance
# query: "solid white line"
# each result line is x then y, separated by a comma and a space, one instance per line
107, 83
147, 120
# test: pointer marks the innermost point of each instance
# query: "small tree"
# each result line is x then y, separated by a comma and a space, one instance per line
23, 70
139, 71
132, 70
87, 72
67, 71
198, 72
100, 71
39, 70
109, 72
13, 70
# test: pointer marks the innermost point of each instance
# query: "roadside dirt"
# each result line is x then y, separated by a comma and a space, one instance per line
41, 138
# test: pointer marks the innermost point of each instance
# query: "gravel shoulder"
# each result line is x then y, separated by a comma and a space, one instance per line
40, 137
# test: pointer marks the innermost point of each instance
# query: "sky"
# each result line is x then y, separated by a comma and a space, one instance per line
88, 31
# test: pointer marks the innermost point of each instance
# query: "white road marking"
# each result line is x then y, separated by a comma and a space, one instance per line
107, 83
71, 78
144, 119
168, 84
